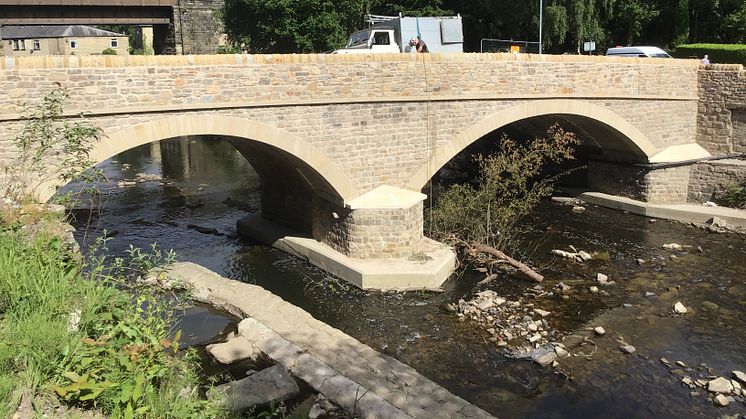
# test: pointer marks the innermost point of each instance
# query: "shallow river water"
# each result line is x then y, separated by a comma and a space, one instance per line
202, 179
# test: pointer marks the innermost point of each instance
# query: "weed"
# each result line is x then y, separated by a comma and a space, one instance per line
52, 151
733, 195
124, 357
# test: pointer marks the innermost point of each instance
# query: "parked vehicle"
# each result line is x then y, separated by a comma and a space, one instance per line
649, 52
392, 34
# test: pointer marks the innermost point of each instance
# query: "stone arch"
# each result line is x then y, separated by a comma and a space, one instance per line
336, 181
630, 136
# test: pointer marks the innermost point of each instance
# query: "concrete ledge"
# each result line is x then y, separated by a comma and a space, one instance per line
361, 379
678, 212
400, 274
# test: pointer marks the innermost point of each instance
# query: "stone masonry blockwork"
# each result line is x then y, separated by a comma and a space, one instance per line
721, 120
324, 129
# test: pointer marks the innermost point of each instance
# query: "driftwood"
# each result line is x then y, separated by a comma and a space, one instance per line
481, 248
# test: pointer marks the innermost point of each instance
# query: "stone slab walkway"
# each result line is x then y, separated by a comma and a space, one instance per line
680, 212
335, 364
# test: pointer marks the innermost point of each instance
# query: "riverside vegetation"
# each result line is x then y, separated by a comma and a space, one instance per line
77, 337
481, 219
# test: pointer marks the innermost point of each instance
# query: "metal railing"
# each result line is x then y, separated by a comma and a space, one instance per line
508, 45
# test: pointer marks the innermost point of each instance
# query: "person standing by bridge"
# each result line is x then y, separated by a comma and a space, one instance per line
418, 45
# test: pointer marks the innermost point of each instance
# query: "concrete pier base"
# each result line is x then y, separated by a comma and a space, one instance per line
427, 269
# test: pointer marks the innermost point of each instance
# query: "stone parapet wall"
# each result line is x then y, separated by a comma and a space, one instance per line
711, 177
111, 82
721, 121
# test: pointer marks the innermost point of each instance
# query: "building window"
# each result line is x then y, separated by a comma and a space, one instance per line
114, 42
74, 44
19, 45
37, 45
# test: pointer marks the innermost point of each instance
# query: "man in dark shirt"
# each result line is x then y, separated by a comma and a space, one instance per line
418, 44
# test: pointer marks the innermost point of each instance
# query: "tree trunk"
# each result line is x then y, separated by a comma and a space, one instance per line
518, 265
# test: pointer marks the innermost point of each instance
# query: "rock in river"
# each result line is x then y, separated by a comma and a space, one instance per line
720, 385
721, 400
599, 331
542, 313
628, 349
740, 376
679, 308
234, 350
268, 385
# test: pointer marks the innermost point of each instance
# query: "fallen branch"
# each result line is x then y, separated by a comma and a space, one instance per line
481, 248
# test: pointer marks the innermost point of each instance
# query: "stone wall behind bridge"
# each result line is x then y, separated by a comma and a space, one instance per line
721, 121
197, 27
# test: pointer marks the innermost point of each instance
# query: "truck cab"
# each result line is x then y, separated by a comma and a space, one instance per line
371, 41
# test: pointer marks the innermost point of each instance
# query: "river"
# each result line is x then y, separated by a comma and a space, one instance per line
202, 178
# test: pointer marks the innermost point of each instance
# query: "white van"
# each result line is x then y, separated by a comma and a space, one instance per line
650, 52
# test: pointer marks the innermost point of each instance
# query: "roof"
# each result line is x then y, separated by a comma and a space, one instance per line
53, 31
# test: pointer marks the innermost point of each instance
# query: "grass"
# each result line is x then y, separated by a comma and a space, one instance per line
122, 359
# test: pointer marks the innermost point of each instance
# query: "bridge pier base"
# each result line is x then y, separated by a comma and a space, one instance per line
662, 185
374, 242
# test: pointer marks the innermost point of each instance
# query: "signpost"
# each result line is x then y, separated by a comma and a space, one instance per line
589, 47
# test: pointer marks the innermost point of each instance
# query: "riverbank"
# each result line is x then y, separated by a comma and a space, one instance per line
76, 339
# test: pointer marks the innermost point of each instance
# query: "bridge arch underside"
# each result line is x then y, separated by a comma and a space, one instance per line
601, 146
297, 180
612, 148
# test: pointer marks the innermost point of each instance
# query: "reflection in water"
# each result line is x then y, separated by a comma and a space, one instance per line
199, 175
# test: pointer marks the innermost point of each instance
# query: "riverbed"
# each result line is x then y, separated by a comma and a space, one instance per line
205, 183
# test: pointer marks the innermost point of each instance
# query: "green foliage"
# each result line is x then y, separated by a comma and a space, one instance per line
322, 25
289, 26
109, 51
718, 53
122, 359
228, 49
733, 195
52, 150
509, 186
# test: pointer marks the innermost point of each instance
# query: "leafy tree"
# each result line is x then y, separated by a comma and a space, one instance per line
407, 8
556, 25
290, 26
633, 16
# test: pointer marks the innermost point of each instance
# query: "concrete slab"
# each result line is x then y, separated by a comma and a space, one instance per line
360, 379
679, 212
429, 272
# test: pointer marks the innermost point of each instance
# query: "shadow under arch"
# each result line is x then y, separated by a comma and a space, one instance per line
613, 132
328, 179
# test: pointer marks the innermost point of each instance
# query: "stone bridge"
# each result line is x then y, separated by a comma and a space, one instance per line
344, 144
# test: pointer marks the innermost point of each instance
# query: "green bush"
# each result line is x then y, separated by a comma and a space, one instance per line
109, 51
123, 359
733, 195
718, 53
